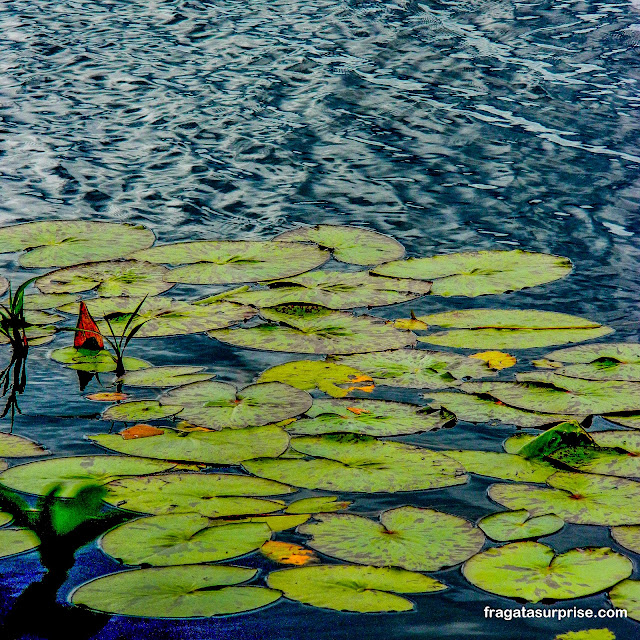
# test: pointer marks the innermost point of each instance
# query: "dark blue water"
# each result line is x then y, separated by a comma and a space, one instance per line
450, 125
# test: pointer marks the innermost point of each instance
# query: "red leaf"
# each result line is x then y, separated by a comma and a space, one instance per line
88, 335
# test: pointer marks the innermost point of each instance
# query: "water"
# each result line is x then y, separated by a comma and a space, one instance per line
450, 125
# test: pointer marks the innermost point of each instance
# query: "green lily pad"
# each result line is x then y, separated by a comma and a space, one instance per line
169, 376
631, 420
580, 498
198, 591
116, 278
532, 571
319, 504
348, 244
479, 273
41, 476
277, 522
587, 634
627, 536
335, 332
407, 537
36, 336
565, 435
217, 405
5, 518
231, 261
627, 352
329, 377
62, 243
370, 417
94, 361
347, 462
502, 465
183, 538
41, 318
335, 290
207, 494
418, 368
626, 595
607, 370
140, 410
472, 408
229, 446
352, 588
44, 301
14, 541
12, 446
506, 526
603, 461
627, 440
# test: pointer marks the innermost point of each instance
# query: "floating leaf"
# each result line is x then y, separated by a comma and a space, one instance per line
580, 498
623, 352
627, 536
62, 243
479, 273
169, 376
626, 595
138, 410
14, 541
116, 278
320, 504
506, 526
348, 244
39, 318
329, 377
5, 518
198, 591
183, 538
335, 290
407, 537
229, 261
502, 465
207, 494
288, 553
44, 301
370, 417
566, 434
627, 440
495, 359
410, 324
277, 523
531, 571
631, 420
107, 396
352, 588
472, 408
12, 446
217, 405
40, 477
141, 431
94, 361
587, 634
418, 368
229, 446
36, 336
335, 333
353, 463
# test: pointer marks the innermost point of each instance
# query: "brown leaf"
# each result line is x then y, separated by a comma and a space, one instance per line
141, 431
107, 396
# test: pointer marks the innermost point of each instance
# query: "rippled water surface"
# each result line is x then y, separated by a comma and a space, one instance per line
449, 125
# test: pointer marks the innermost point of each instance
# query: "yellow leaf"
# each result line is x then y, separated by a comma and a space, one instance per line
409, 324
496, 359
107, 397
141, 431
288, 553
183, 425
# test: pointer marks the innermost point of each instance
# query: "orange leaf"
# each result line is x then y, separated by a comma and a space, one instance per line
141, 431
107, 397
288, 553
357, 411
354, 379
88, 335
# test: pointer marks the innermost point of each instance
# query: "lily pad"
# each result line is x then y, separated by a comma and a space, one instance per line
288, 553
348, 244
479, 273
407, 537
579, 498
505, 466
533, 572
347, 462
627, 536
5, 518
630, 419
627, 440
335, 333
41, 476
336, 380
506, 526
277, 522
627, 352
626, 595
169, 376
94, 361
229, 446
44, 301
473, 408
62, 243
587, 634
335, 290
217, 405
183, 538
12, 446
140, 410
352, 588
198, 591
14, 541
418, 368
369, 417
231, 261
319, 504
207, 494
116, 278
36, 335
